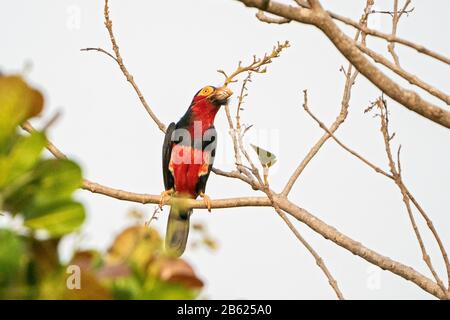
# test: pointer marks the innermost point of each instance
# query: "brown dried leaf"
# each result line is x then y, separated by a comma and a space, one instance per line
180, 272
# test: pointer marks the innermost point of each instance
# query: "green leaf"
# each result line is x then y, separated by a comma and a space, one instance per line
57, 219
162, 290
53, 181
127, 288
22, 158
266, 158
18, 102
58, 180
12, 250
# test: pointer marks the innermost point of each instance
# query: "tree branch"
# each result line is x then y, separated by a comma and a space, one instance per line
381, 35
319, 261
320, 18
350, 78
395, 20
341, 144
263, 18
331, 233
405, 190
126, 73
300, 214
412, 79
396, 173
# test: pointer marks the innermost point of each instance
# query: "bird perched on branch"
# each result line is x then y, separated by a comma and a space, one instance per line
187, 159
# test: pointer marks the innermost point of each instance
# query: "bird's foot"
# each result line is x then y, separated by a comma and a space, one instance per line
206, 200
165, 196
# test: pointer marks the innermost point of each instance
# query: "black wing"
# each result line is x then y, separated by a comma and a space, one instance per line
166, 152
209, 145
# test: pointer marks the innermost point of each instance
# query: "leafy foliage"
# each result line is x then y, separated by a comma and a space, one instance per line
38, 189
40, 192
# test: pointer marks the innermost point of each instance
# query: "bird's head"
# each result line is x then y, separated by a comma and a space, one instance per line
204, 106
213, 95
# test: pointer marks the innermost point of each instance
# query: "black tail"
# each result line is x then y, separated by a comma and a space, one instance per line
177, 230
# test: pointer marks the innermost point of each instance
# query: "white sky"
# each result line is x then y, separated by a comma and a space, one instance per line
173, 48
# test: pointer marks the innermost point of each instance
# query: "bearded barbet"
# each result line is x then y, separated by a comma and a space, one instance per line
187, 159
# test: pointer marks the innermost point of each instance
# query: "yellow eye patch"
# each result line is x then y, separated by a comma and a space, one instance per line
206, 91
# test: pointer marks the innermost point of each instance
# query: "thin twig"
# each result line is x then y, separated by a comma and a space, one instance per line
154, 216
433, 231
50, 146
395, 19
258, 65
319, 261
396, 173
412, 79
391, 13
390, 176
102, 51
378, 34
350, 76
341, 144
118, 58
241, 97
265, 188
237, 155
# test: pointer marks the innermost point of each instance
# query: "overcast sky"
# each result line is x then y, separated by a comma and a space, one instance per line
173, 48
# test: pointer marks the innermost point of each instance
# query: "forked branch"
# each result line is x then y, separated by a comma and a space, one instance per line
258, 65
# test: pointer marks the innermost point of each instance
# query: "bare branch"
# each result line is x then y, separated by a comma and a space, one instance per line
263, 18
102, 51
350, 80
50, 146
154, 199
396, 15
319, 261
237, 175
412, 79
359, 249
433, 231
257, 65
446, 295
126, 73
391, 13
241, 97
396, 173
378, 34
322, 20
395, 20
237, 155
341, 144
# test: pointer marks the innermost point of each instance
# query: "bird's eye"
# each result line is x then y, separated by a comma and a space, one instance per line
206, 91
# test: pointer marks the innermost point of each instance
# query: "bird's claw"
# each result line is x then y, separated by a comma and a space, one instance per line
165, 196
206, 200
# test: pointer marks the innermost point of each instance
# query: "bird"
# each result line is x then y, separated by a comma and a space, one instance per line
187, 159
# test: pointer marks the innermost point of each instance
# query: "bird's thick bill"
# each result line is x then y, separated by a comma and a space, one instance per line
220, 95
